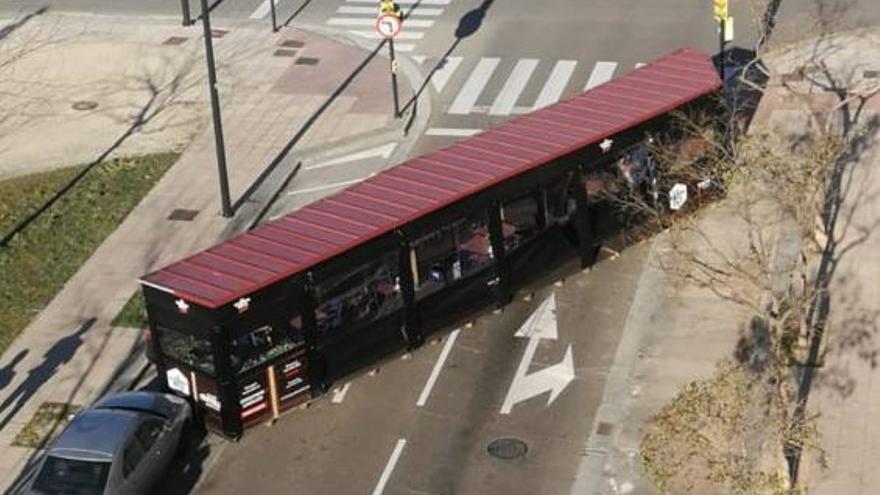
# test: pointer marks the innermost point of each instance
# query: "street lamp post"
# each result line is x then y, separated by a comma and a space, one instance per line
215, 112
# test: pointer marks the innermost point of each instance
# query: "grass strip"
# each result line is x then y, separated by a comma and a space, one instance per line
133, 314
38, 262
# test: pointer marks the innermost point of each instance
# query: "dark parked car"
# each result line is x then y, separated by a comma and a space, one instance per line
121, 445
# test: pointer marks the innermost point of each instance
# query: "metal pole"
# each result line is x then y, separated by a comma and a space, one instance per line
274, 21
187, 17
721, 44
215, 112
394, 78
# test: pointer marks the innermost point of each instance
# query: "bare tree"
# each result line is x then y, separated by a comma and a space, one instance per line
743, 429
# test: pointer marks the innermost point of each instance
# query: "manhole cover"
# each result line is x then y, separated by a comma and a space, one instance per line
871, 74
292, 44
507, 448
281, 52
306, 61
84, 105
183, 215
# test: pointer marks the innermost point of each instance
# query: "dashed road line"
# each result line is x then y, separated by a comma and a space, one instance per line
432, 379
389, 467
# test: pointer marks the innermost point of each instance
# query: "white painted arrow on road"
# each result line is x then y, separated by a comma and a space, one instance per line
383, 151
540, 325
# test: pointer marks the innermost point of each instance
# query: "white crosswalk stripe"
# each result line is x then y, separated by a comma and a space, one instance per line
466, 99
358, 21
263, 9
441, 76
401, 36
556, 82
374, 11
407, 2
513, 87
552, 78
602, 73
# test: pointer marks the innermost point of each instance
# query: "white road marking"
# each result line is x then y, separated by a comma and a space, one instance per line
514, 86
441, 76
339, 395
335, 185
420, 59
404, 47
540, 325
404, 35
602, 73
347, 9
555, 84
640, 65
423, 397
383, 151
262, 10
407, 2
470, 92
392, 461
359, 21
449, 131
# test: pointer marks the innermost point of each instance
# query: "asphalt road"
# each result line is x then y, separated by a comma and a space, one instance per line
401, 431
343, 446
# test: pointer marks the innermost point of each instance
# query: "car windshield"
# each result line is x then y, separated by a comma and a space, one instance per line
60, 476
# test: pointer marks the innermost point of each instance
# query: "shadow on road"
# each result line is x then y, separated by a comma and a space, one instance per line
469, 24
309, 123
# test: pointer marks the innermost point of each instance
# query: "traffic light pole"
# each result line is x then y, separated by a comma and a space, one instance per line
394, 78
274, 20
215, 113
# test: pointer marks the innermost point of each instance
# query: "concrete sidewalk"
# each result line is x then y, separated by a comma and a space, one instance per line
295, 89
657, 354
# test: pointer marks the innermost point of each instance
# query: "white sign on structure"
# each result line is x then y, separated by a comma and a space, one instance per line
540, 325
678, 195
388, 25
177, 381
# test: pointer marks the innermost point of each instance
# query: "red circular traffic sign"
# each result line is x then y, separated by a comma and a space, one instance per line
388, 25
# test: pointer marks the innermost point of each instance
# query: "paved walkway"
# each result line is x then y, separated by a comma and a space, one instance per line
273, 98
675, 334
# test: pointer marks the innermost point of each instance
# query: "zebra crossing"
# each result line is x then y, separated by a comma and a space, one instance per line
512, 78
358, 17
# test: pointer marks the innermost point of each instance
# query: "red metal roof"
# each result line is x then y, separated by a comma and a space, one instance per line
321, 230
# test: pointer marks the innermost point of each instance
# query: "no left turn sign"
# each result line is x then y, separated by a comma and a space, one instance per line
388, 25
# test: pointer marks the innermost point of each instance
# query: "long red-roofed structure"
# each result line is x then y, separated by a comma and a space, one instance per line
300, 240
